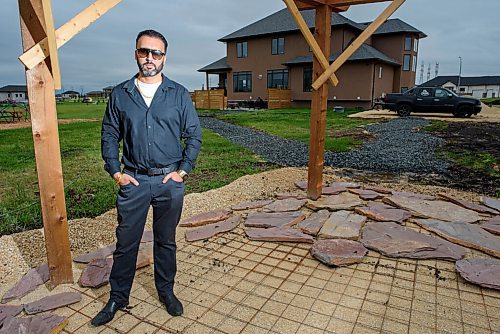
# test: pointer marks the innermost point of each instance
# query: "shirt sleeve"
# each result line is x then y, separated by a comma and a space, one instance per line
191, 133
110, 138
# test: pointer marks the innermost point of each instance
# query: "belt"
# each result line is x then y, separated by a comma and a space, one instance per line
154, 171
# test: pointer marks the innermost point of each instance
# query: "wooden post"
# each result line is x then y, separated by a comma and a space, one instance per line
318, 105
40, 85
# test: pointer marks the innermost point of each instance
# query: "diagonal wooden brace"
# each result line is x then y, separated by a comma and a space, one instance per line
36, 54
51, 41
299, 19
357, 43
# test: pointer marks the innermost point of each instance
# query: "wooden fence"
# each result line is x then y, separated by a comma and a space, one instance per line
279, 98
210, 99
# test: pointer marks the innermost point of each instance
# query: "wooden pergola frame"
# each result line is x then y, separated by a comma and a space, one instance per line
40, 43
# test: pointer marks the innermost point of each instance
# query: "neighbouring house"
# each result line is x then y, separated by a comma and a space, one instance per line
107, 91
96, 94
70, 95
478, 87
14, 93
272, 53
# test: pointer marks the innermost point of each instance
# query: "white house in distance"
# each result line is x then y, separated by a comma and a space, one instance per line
14, 93
478, 87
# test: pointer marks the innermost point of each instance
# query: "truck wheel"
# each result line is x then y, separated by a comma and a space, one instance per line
404, 110
463, 111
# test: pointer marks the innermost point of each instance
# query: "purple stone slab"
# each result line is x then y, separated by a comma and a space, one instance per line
342, 225
52, 302
343, 201
283, 205
290, 195
384, 213
147, 236
490, 202
338, 252
413, 195
313, 224
273, 219
394, 240
330, 190
366, 194
209, 231
96, 273
344, 185
205, 218
303, 184
492, 225
29, 282
251, 205
435, 209
278, 234
379, 190
481, 271
40, 324
468, 235
100, 253
468, 205
9, 311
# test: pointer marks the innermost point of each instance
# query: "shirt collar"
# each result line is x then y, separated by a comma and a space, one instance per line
165, 84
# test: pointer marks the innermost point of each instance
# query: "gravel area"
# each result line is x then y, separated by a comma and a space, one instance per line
399, 146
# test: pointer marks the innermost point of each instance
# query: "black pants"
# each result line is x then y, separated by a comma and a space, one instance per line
133, 204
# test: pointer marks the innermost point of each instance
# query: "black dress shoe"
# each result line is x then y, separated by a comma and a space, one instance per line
173, 305
107, 313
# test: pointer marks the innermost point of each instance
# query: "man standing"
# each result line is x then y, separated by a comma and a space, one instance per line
152, 115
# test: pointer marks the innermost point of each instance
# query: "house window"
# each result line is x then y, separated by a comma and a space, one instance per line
408, 43
414, 64
277, 79
278, 46
485, 95
380, 72
242, 82
493, 95
307, 81
415, 45
406, 62
242, 49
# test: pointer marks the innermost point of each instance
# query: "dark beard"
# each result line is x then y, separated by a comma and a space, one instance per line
149, 73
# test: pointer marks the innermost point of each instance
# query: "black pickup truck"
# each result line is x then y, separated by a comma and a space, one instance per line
431, 100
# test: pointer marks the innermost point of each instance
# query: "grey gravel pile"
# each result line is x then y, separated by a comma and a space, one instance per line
399, 146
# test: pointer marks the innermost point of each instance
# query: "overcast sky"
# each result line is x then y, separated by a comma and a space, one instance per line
102, 55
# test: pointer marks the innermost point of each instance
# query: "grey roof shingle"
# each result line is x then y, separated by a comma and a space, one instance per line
220, 64
393, 26
365, 52
14, 88
464, 81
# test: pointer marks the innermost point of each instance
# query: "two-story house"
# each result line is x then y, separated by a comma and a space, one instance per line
272, 53
14, 93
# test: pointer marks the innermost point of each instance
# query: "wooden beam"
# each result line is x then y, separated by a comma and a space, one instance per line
38, 52
311, 4
51, 41
316, 49
318, 107
357, 43
40, 85
334, 3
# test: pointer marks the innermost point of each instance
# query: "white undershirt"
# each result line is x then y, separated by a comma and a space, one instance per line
147, 91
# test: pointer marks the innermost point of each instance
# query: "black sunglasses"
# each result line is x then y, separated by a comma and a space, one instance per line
144, 52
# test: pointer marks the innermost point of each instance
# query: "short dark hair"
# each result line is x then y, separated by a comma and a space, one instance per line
154, 34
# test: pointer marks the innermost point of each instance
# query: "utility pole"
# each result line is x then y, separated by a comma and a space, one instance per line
459, 75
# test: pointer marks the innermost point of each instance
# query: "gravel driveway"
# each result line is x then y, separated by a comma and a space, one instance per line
399, 146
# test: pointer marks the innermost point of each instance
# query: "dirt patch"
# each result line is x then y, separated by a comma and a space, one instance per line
355, 133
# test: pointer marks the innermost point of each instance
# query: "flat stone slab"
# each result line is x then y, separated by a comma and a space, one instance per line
29, 282
251, 205
383, 213
413, 195
367, 194
331, 190
342, 225
211, 230
147, 236
205, 218
492, 225
343, 201
337, 252
278, 234
96, 273
9, 311
273, 219
435, 209
490, 202
52, 302
344, 185
100, 253
481, 271
379, 190
468, 205
394, 240
290, 195
313, 224
283, 205
40, 324
468, 235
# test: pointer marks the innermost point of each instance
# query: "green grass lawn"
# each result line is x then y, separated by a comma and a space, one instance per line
295, 124
78, 110
89, 190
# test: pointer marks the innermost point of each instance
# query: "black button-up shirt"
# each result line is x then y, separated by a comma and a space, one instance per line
151, 136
